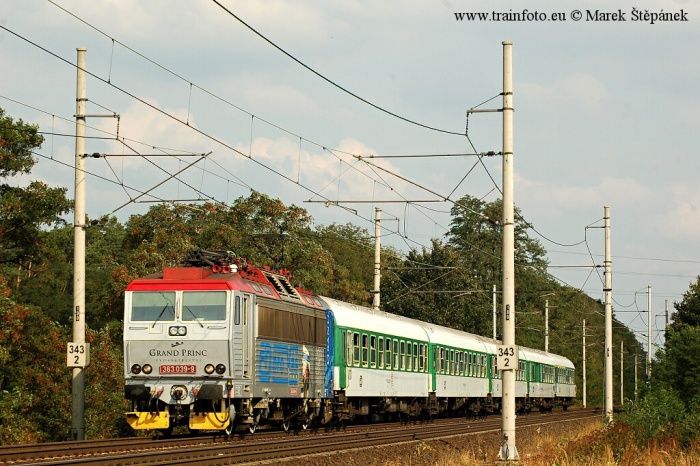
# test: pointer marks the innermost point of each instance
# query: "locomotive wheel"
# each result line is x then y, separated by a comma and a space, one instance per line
285, 426
252, 428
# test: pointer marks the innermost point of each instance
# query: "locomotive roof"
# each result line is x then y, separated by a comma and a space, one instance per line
250, 279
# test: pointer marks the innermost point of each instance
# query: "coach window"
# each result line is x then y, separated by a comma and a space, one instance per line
415, 357
373, 351
364, 350
396, 355
347, 338
387, 353
403, 355
381, 353
355, 349
460, 362
483, 365
409, 366
421, 357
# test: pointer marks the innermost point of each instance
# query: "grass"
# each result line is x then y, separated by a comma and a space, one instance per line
587, 443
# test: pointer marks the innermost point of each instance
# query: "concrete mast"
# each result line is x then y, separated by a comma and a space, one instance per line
608, 319
377, 257
78, 380
508, 449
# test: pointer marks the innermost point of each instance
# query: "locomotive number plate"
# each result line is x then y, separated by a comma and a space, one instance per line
178, 369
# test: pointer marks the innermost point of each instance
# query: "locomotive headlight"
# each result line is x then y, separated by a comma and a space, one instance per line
172, 331
220, 369
209, 368
182, 331
147, 369
136, 369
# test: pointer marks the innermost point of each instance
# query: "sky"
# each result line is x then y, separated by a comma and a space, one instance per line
605, 114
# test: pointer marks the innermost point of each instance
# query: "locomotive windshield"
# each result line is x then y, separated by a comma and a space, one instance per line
203, 305
153, 306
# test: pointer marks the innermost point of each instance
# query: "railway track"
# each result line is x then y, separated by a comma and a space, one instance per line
261, 446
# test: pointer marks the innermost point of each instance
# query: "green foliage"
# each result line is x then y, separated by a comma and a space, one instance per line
657, 415
688, 310
678, 365
17, 139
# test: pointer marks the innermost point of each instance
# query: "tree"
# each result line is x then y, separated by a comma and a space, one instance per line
688, 310
24, 212
678, 364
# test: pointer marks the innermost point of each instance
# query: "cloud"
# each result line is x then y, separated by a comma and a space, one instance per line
585, 89
608, 191
681, 219
333, 173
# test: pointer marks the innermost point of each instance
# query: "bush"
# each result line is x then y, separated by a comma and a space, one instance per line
661, 413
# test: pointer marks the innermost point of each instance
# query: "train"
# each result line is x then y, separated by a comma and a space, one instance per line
219, 344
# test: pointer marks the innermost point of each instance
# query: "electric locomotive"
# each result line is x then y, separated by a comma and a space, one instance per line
219, 343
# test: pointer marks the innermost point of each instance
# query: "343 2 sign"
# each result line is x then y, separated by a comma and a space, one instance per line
78, 354
507, 357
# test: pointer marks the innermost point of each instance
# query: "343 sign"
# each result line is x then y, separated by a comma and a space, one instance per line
78, 354
507, 357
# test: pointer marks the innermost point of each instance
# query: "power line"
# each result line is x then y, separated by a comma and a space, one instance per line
330, 81
658, 259
191, 84
233, 149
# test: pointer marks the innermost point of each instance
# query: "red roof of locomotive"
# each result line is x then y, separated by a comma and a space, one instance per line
248, 279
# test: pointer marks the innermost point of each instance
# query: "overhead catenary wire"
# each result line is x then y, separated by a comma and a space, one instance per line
160, 110
330, 81
191, 84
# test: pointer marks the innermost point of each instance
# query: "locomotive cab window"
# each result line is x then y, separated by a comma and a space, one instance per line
153, 306
204, 305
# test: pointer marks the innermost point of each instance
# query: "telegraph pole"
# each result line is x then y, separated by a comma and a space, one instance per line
666, 314
635, 377
508, 449
495, 320
608, 319
649, 332
377, 257
78, 382
546, 326
622, 374
583, 350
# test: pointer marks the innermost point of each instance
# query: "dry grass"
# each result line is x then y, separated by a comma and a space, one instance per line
581, 444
